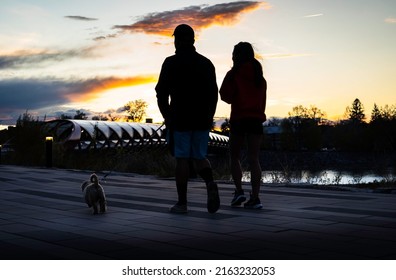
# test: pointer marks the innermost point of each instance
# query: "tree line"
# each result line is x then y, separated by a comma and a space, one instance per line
306, 128
134, 111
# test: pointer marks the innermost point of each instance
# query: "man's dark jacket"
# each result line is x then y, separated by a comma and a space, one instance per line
187, 91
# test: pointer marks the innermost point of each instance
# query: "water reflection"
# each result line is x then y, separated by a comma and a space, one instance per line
325, 177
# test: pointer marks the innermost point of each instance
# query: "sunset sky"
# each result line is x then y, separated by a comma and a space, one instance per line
62, 56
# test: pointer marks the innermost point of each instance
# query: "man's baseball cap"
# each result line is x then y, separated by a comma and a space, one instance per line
184, 31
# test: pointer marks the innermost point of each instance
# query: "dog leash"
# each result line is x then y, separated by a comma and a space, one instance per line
124, 155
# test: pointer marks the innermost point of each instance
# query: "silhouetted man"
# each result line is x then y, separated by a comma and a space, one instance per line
187, 96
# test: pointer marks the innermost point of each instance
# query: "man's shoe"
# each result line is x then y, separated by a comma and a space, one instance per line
239, 197
254, 203
213, 197
178, 208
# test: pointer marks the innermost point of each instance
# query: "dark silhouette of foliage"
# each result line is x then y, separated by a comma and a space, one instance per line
383, 128
28, 140
100, 118
136, 110
355, 113
351, 136
65, 117
80, 115
306, 129
225, 127
301, 129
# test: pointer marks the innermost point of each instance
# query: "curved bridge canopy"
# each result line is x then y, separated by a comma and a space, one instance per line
87, 134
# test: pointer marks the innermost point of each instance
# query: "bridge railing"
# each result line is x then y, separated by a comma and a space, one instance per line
90, 134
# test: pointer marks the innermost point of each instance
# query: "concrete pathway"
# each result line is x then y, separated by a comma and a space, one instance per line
43, 216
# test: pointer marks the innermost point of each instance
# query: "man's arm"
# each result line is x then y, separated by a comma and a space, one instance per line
163, 94
214, 92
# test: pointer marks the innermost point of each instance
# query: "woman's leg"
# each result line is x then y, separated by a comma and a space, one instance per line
254, 142
236, 143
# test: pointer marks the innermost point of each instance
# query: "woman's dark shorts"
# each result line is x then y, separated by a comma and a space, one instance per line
247, 126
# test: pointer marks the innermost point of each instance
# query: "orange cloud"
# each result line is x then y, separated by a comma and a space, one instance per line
90, 89
390, 20
199, 17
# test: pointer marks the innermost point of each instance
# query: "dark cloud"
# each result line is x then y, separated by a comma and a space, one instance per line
28, 59
32, 93
38, 93
163, 23
81, 18
109, 36
99, 38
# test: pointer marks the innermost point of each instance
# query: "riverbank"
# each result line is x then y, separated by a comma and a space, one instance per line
341, 171
322, 160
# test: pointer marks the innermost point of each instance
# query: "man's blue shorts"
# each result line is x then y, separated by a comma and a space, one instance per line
191, 144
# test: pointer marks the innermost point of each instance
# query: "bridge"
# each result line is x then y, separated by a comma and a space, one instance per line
92, 134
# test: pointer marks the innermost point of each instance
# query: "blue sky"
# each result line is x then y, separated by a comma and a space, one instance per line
62, 56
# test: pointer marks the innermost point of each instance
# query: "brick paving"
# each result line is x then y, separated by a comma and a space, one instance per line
43, 216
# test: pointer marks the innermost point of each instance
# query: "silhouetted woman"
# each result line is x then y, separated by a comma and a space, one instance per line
245, 88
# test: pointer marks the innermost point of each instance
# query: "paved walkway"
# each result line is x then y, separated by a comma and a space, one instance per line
43, 216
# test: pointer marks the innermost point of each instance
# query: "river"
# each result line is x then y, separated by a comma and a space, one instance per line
325, 177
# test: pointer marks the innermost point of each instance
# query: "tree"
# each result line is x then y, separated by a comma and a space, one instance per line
100, 118
136, 110
353, 133
297, 114
388, 112
225, 127
300, 113
375, 114
80, 115
301, 129
28, 140
64, 116
383, 128
356, 112
316, 114
113, 118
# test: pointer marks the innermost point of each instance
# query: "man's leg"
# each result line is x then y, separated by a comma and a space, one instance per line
182, 174
204, 170
182, 154
199, 152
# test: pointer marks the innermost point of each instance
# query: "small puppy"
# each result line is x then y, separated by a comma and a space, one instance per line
94, 194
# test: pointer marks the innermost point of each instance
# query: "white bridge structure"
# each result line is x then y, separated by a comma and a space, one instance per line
92, 134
